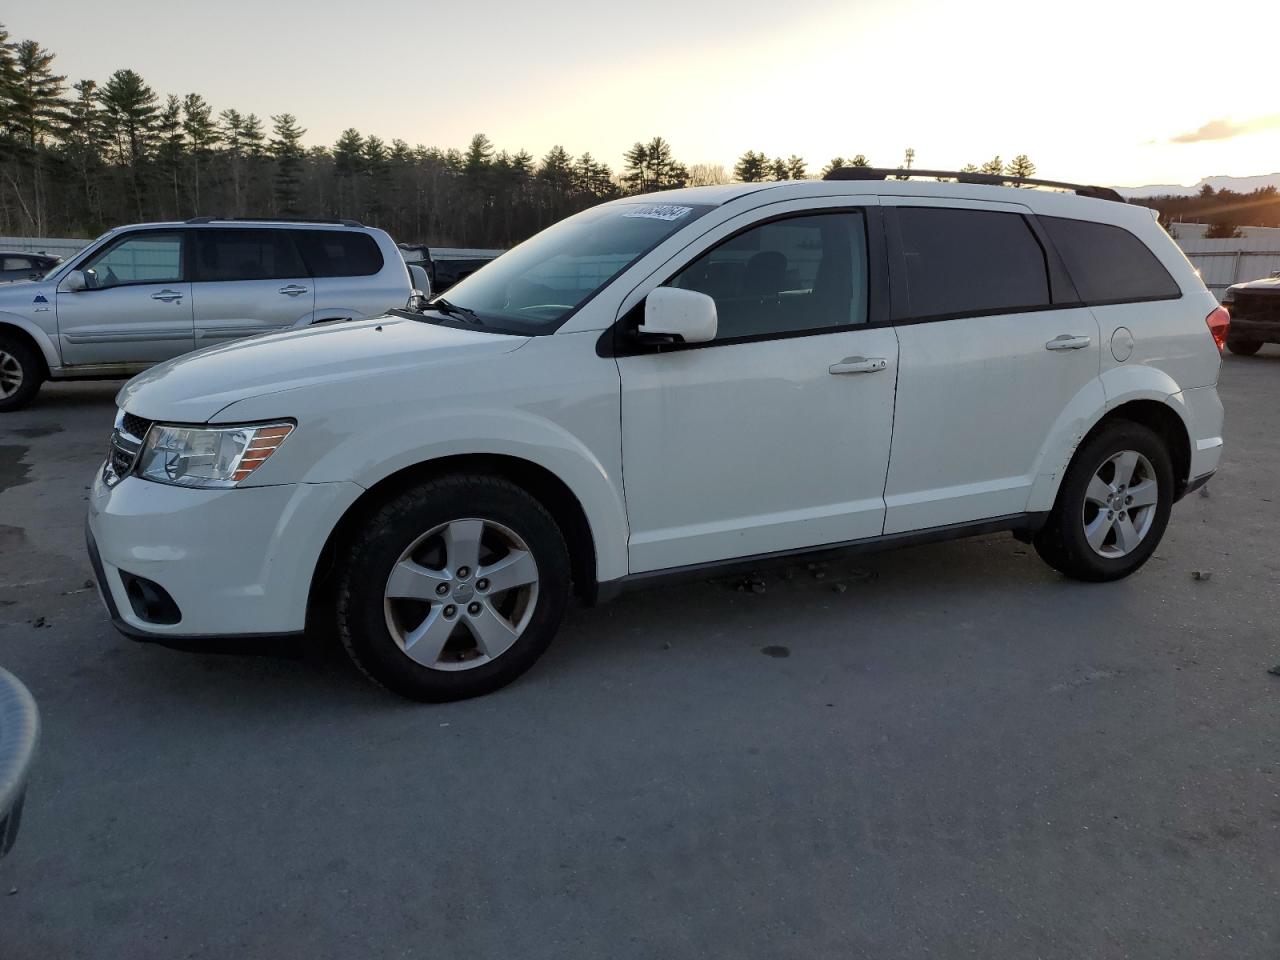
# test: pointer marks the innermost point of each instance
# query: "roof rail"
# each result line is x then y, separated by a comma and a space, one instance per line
344, 223
990, 179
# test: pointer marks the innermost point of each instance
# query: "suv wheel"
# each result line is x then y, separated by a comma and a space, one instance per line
21, 373
1244, 348
1113, 506
453, 589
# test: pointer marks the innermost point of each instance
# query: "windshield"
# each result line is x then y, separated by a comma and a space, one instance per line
533, 288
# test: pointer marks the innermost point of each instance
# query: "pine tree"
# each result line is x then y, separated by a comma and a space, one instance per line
994, 166
1020, 166
34, 95
778, 170
286, 147
171, 148
795, 168
751, 167
129, 114
202, 138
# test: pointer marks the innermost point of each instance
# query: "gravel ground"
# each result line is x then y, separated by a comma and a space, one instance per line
941, 751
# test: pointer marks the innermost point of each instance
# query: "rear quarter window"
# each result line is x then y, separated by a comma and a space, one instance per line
1108, 264
965, 262
340, 253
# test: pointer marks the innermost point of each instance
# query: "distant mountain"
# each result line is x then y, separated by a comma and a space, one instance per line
1238, 184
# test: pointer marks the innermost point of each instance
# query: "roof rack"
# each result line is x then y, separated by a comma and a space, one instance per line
990, 179
344, 223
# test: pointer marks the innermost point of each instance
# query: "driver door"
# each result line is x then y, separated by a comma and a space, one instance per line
775, 435
136, 307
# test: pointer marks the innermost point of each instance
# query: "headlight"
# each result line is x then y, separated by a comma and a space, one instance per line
208, 456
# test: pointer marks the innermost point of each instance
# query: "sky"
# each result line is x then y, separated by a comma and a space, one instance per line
1122, 92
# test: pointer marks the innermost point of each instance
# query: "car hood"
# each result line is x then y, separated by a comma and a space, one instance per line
194, 387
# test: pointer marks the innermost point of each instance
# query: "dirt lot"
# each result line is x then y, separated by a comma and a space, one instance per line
960, 754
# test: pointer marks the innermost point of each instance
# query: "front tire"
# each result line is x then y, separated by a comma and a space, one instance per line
1113, 505
21, 373
453, 589
1244, 348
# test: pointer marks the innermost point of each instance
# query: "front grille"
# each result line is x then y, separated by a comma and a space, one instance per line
135, 426
126, 442
1257, 306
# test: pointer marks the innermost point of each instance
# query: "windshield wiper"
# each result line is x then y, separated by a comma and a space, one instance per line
442, 305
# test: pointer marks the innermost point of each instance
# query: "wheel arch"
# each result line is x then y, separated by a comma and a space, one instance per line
34, 337
1163, 419
541, 483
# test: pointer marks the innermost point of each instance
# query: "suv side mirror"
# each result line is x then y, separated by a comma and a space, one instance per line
75, 282
679, 316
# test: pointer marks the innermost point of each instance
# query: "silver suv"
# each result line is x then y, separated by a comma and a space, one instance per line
145, 293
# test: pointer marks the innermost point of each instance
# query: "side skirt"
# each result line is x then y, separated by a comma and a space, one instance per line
1022, 525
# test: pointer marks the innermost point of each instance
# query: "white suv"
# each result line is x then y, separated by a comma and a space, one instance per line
663, 386
144, 293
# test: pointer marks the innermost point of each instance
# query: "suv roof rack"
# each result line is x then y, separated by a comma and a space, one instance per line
989, 179
344, 223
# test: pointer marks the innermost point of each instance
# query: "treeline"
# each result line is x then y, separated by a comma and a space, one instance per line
78, 158
1224, 210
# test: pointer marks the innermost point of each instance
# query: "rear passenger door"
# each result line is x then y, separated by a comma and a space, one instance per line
248, 281
995, 351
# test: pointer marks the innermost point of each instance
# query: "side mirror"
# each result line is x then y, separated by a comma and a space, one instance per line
684, 316
421, 280
75, 282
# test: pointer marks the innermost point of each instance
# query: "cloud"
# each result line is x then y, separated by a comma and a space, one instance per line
1225, 129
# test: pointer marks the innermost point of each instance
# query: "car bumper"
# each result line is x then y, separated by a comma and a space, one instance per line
1242, 328
235, 562
1204, 416
19, 733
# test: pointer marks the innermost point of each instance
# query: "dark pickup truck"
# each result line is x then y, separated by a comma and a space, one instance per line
445, 268
1255, 314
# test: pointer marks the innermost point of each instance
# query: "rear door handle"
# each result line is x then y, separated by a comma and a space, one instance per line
293, 290
1065, 341
859, 365
168, 296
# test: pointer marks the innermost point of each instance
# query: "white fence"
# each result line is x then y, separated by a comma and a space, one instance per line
1251, 256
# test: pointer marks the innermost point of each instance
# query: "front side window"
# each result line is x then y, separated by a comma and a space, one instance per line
1109, 264
140, 258
223, 254
533, 288
964, 262
784, 277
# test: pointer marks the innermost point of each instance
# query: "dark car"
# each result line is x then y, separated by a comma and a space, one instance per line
19, 265
1255, 314
443, 270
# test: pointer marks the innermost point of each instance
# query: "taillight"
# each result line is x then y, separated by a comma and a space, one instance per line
1218, 322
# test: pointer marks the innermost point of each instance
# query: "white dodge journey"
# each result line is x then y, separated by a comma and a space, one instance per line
662, 386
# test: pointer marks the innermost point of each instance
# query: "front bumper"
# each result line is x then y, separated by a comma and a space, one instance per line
236, 562
1244, 328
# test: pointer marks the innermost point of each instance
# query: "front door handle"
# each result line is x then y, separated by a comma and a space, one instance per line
167, 296
859, 365
1065, 341
293, 290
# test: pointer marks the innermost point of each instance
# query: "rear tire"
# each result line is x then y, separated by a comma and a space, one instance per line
21, 373
1244, 348
415, 609
1104, 525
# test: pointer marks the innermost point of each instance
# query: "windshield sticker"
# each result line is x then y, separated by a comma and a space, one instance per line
659, 211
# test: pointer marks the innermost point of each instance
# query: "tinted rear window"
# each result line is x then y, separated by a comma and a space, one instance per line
223, 254
1109, 264
338, 253
970, 262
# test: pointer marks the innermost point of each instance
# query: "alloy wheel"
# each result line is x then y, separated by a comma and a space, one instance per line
11, 375
1120, 504
461, 594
